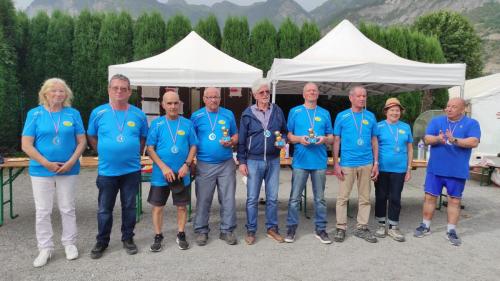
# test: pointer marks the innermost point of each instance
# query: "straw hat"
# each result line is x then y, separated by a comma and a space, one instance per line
390, 102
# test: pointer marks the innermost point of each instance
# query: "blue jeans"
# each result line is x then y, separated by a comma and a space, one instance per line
128, 186
299, 180
269, 171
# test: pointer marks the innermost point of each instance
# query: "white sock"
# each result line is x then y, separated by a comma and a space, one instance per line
427, 223
451, 226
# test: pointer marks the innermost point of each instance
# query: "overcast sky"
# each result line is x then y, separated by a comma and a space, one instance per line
307, 4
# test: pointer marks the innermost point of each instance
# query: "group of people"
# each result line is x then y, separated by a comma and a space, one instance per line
363, 151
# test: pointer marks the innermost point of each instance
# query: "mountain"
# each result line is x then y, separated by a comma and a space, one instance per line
275, 10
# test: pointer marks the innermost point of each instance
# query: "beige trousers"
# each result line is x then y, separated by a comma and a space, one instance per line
362, 176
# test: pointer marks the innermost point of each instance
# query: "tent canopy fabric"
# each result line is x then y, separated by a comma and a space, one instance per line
345, 57
192, 62
478, 87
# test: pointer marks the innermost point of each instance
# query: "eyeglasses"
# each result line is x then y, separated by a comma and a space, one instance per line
265, 92
122, 89
212, 98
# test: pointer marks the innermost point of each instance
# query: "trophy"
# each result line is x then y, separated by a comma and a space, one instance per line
279, 140
312, 137
225, 134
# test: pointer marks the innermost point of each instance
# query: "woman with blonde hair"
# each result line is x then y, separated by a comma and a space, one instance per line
54, 138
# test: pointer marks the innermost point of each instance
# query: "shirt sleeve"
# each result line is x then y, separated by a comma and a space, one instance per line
144, 125
410, 136
337, 127
29, 129
329, 128
374, 127
92, 128
432, 128
193, 139
79, 129
152, 138
474, 129
233, 128
291, 122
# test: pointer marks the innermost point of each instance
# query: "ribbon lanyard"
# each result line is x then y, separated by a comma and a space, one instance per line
56, 125
174, 139
396, 138
455, 123
212, 125
360, 130
311, 121
120, 127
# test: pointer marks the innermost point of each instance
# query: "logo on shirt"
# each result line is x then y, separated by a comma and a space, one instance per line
365, 122
131, 123
181, 132
67, 123
402, 132
317, 119
222, 122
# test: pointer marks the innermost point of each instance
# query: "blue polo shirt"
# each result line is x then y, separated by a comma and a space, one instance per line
389, 159
310, 157
450, 160
40, 126
159, 137
352, 154
212, 151
118, 158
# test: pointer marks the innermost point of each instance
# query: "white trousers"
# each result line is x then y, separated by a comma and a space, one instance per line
43, 193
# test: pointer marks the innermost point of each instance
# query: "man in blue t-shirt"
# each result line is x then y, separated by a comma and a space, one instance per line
171, 144
217, 133
310, 130
355, 133
451, 137
117, 131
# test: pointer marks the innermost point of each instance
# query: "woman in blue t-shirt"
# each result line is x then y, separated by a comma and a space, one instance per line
395, 157
54, 138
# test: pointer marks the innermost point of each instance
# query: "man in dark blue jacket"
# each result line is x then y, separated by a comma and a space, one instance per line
259, 156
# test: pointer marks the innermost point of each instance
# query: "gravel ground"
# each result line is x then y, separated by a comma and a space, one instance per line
429, 258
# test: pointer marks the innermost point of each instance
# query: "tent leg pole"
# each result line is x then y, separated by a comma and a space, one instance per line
273, 100
462, 90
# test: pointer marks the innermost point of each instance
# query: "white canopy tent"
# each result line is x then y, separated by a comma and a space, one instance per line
345, 57
192, 62
483, 95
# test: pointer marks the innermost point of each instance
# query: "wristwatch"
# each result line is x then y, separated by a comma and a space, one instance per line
188, 164
455, 140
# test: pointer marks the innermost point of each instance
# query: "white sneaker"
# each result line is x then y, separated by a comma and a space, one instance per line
43, 257
380, 232
71, 252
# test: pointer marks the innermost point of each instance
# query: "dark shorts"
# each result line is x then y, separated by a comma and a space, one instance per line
158, 196
434, 185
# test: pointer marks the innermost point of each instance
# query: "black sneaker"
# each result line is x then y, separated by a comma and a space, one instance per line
130, 246
229, 238
323, 237
156, 246
181, 241
97, 251
339, 235
364, 233
290, 235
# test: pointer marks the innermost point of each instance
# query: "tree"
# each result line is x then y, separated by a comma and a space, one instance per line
115, 47
235, 39
178, 27
149, 38
85, 57
209, 29
23, 72
59, 46
459, 41
288, 39
8, 21
373, 32
263, 48
36, 57
309, 34
396, 41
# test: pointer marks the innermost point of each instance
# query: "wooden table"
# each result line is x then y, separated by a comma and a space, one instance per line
15, 166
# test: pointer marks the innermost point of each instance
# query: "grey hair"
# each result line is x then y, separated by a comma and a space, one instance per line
259, 83
208, 88
353, 89
119, 77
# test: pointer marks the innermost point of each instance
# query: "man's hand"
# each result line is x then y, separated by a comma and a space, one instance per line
374, 173
243, 169
168, 174
320, 140
226, 143
337, 171
304, 141
441, 138
183, 171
